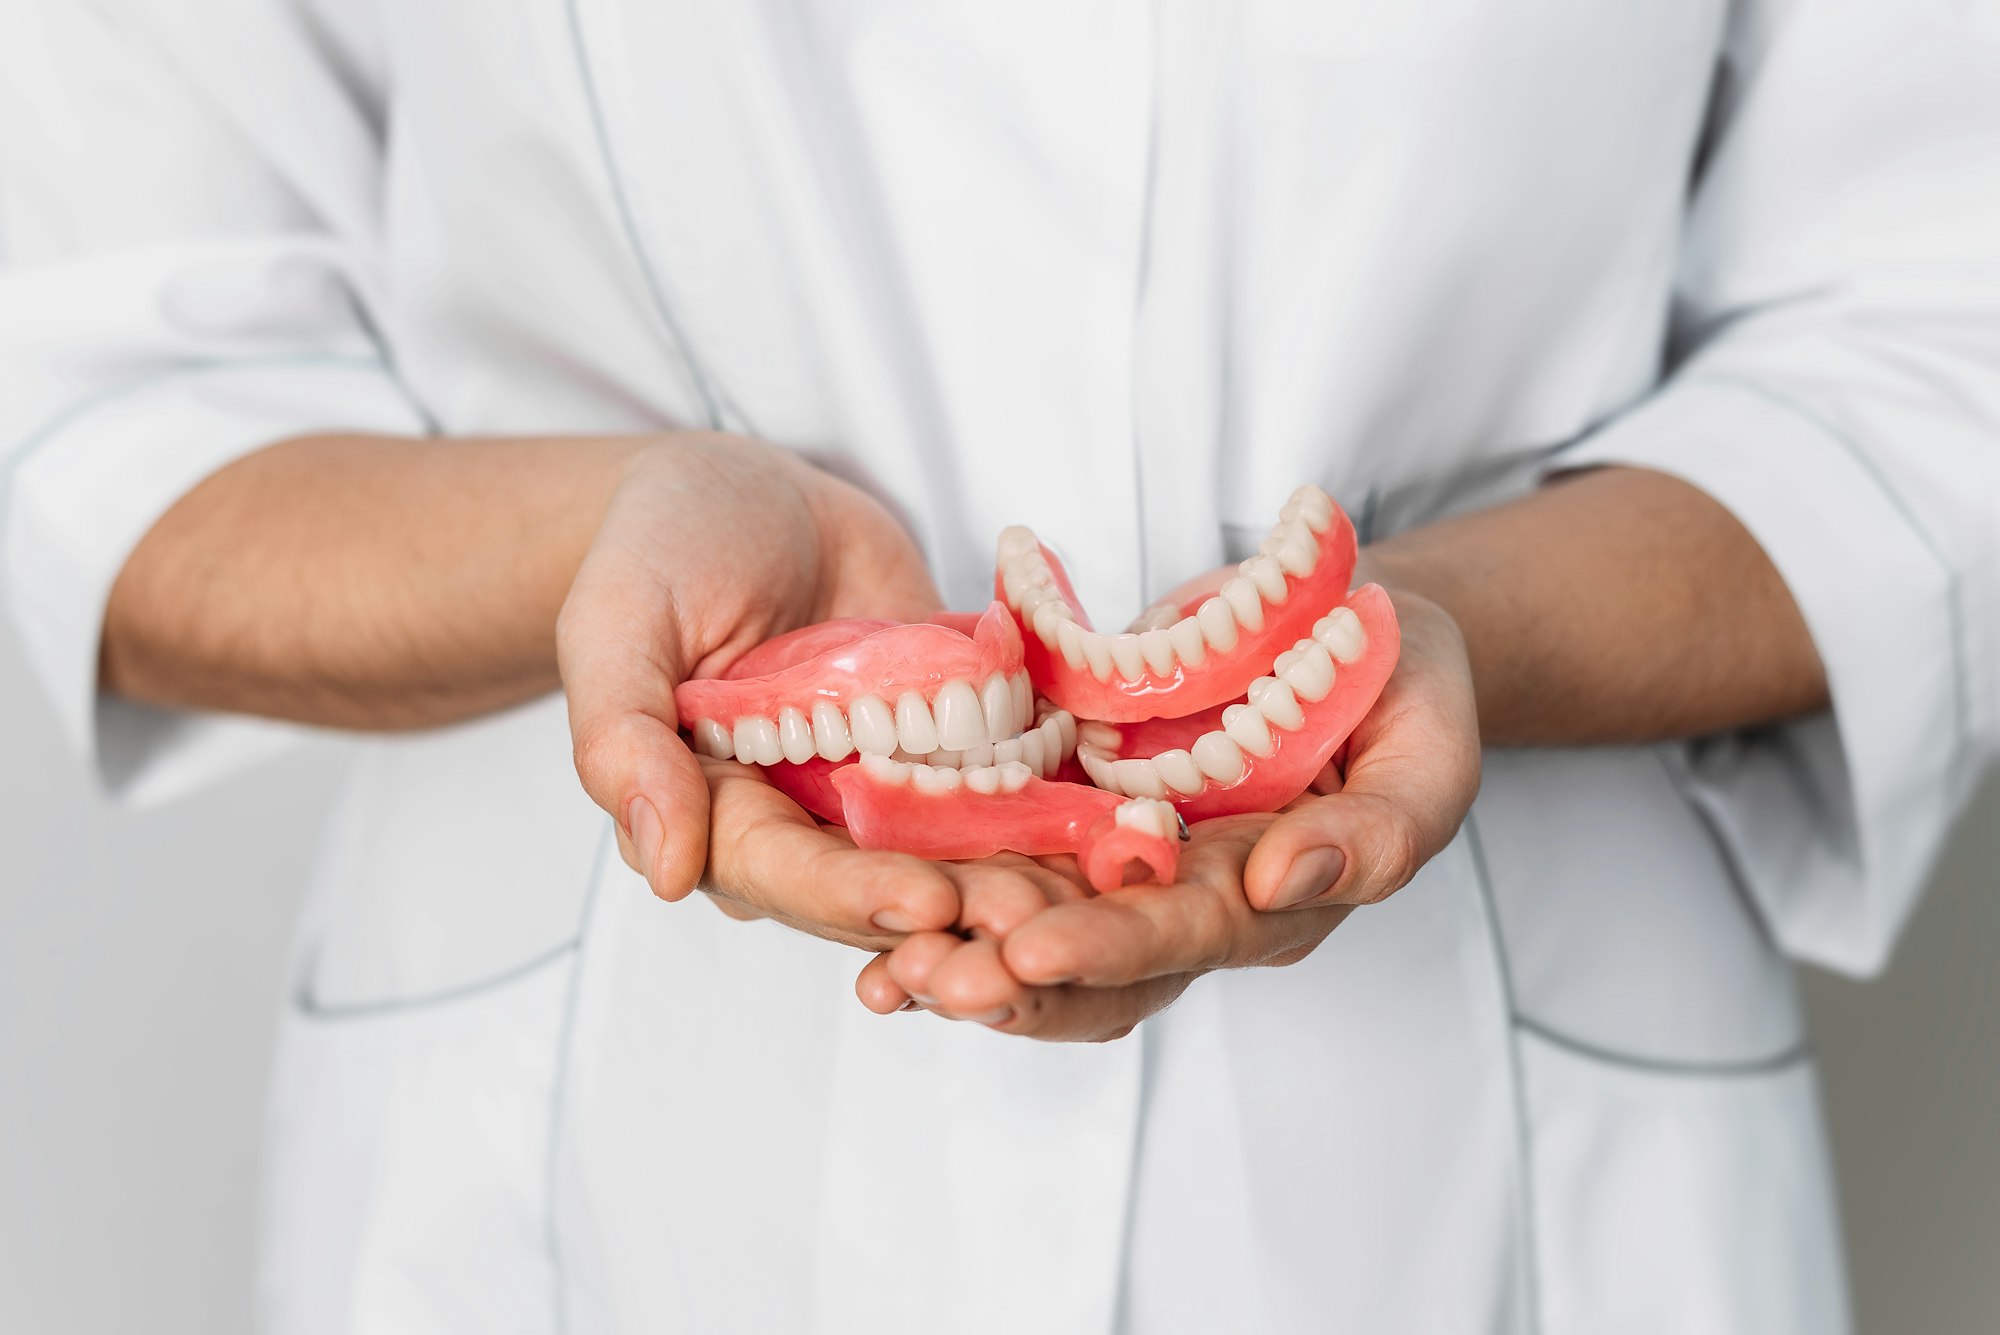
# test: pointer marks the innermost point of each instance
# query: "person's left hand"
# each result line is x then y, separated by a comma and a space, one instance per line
1252, 889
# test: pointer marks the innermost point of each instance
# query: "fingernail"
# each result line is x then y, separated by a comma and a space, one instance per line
890, 920
910, 1005
1312, 874
642, 823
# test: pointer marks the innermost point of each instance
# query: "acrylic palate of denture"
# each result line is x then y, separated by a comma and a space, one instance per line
1203, 644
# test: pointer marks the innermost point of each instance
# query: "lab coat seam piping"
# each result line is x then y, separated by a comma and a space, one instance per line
628, 220
1523, 1150
312, 1008
1795, 1054
558, 1089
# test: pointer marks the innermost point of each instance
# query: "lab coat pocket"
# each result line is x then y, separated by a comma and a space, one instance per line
1676, 1198
406, 1187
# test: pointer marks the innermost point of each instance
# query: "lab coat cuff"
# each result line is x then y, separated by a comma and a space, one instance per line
87, 486
1832, 821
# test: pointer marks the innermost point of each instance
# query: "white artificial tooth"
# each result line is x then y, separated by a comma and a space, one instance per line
902, 757
1024, 701
1218, 757
1342, 634
1007, 751
1267, 575
949, 759
1017, 541
712, 739
1149, 816
1098, 766
1179, 772
1189, 646
1275, 701
960, 722
1312, 505
1066, 721
1103, 736
757, 741
1286, 659
916, 730
1311, 675
1159, 651
1032, 754
1049, 619
1127, 656
1054, 745
795, 735
933, 780
975, 757
1097, 653
1014, 776
1138, 778
1248, 728
830, 737
1218, 624
1014, 581
874, 727
1157, 617
885, 769
1295, 549
996, 702
1244, 601
984, 779
1069, 638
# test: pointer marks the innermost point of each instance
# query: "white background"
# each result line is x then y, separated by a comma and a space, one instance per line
141, 963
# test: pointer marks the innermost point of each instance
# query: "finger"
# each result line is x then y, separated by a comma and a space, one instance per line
911, 964
970, 983
997, 895
1089, 1014
877, 990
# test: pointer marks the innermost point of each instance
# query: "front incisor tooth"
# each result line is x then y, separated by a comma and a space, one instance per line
1248, 728
1127, 656
1311, 674
882, 768
1069, 638
712, 739
1267, 575
960, 721
1275, 701
1180, 773
996, 703
830, 737
1218, 757
1138, 778
985, 780
1189, 646
1024, 700
916, 730
874, 727
1158, 650
757, 741
1218, 624
1342, 634
795, 735
1097, 654
1244, 601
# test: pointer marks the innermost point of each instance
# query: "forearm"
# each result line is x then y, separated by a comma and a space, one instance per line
362, 581
1619, 605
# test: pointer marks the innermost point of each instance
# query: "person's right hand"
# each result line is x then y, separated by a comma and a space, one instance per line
711, 545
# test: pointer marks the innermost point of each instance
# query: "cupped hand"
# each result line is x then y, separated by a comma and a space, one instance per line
1253, 890
711, 545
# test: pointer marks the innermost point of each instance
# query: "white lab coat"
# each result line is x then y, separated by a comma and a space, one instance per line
1126, 272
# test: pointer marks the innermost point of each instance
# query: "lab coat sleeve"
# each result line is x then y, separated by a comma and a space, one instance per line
169, 301
1837, 387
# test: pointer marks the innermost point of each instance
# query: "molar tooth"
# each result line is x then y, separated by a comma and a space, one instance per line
1014, 776
1312, 505
1295, 549
1125, 653
933, 780
1103, 736
996, 702
1275, 701
1069, 638
1097, 653
1024, 700
1342, 634
1218, 756
960, 723
1311, 675
984, 779
757, 740
1243, 600
1248, 728
1138, 778
1159, 651
795, 735
830, 737
885, 769
712, 739
1179, 772
874, 727
1017, 540
1149, 815
916, 730
1189, 646
1285, 660
1267, 575
1218, 624
1014, 581
1048, 621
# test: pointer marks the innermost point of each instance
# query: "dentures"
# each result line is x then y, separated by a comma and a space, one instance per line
1024, 729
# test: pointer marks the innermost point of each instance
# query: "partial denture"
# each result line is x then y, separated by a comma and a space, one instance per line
1188, 651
